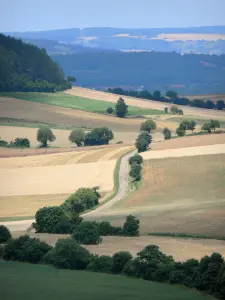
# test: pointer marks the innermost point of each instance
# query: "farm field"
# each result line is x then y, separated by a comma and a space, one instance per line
59, 284
182, 195
31, 182
78, 102
143, 103
214, 98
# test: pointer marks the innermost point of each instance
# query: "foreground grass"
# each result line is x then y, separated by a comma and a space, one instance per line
25, 281
78, 103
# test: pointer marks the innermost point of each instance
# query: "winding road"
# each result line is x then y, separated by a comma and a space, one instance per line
124, 178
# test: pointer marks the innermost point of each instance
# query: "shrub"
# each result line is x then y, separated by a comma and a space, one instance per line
135, 172
21, 143
131, 226
180, 132
136, 159
68, 254
3, 143
87, 233
25, 249
45, 135
89, 196
77, 137
101, 264
5, 234
105, 228
73, 205
119, 260
98, 136
119, 142
121, 108
54, 220
167, 133
110, 110
148, 126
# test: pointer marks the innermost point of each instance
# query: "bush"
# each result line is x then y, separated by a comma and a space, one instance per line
89, 196
98, 136
101, 264
105, 228
21, 143
131, 226
121, 108
148, 126
5, 234
77, 137
167, 133
138, 159
54, 220
119, 260
73, 205
68, 254
180, 132
45, 135
25, 249
3, 143
110, 110
135, 172
87, 233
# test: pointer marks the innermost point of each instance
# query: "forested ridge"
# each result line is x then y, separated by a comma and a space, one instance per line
187, 74
25, 67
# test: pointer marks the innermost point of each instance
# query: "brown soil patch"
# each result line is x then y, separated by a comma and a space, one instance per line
180, 249
36, 112
191, 111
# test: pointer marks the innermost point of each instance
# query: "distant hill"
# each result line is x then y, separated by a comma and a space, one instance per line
187, 74
207, 40
25, 67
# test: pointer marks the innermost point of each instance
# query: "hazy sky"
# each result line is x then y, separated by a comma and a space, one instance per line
29, 15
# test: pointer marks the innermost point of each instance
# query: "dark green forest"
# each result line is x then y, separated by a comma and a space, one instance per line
25, 68
187, 74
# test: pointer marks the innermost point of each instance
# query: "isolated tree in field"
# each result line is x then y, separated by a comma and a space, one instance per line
214, 124
98, 136
148, 126
167, 133
121, 108
45, 135
180, 132
110, 110
77, 137
171, 94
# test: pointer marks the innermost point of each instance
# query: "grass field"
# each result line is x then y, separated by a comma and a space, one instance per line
17, 281
78, 103
178, 195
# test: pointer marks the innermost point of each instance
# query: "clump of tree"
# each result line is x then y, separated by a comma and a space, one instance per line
148, 126
176, 110
45, 135
3, 143
87, 233
211, 125
53, 219
121, 108
17, 143
184, 126
143, 141
98, 136
167, 133
77, 137
5, 234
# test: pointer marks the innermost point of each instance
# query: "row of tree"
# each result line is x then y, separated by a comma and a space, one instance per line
17, 143
186, 125
206, 275
171, 97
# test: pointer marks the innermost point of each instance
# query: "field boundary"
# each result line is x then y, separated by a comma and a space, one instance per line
185, 235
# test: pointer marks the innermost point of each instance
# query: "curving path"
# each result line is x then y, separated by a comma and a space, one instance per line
124, 177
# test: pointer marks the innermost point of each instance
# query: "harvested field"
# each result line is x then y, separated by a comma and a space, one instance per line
190, 141
56, 179
180, 249
142, 103
184, 195
171, 37
37, 112
68, 158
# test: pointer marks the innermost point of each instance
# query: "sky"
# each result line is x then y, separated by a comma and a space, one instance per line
35, 15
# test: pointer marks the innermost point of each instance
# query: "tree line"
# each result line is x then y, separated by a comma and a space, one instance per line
170, 97
206, 275
26, 68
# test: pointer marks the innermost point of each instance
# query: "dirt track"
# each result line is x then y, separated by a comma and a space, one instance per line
191, 111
